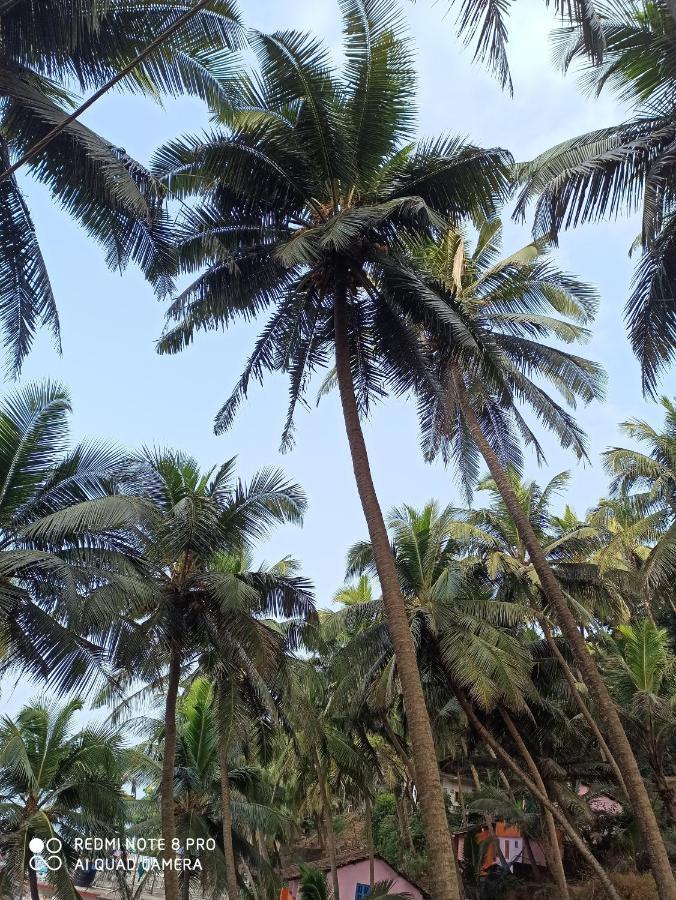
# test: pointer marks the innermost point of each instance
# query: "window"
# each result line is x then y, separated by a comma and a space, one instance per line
361, 891
507, 850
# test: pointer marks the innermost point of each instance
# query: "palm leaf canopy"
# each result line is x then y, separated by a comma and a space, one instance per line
198, 587
64, 531
49, 49
460, 630
489, 321
313, 177
55, 781
625, 168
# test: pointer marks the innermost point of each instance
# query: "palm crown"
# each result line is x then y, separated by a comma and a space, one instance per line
48, 49
308, 192
625, 167
484, 319
60, 537
55, 782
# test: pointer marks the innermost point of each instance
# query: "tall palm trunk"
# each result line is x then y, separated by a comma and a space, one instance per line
556, 861
443, 880
171, 889
541, 797
328, 825
33, 884
225, 726
619, 743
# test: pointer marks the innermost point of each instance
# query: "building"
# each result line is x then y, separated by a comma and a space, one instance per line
353, 876
512, 845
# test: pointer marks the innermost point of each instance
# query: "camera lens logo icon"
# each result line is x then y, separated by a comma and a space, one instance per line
48, 851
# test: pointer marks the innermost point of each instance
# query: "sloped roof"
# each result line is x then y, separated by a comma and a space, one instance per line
345, 858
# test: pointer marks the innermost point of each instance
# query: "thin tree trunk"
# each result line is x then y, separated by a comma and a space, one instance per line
581, 705
461, 798
328, 825
619, 743
402, 821
398, 747
225, 726
558, 873
171, 890
573, 835
33, 884
369, 840
535, 870
443, 879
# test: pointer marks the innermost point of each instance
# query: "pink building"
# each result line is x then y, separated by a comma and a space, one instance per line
353, 876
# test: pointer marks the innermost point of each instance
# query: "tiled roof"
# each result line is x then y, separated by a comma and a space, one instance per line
344, 858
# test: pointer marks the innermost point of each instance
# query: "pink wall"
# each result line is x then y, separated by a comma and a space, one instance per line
358, 873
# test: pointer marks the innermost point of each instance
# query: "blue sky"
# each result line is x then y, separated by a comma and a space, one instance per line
124, 392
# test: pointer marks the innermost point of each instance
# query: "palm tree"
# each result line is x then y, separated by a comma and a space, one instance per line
198, 788
459, 629
47, 49
644, 488
60, 537
305, 197
321, 749
623, 167
641, 671
484, 343
54, 783
247, 663
188, 602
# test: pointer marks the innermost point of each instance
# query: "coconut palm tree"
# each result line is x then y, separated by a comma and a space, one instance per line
305, 196
641, 671
199, 811
188, 600
54, 783
60, 538
644, 489
320, 748
247, 665
485, 342
459, 628
624, 167
47, 50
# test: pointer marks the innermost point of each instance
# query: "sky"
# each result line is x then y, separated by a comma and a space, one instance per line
124, 392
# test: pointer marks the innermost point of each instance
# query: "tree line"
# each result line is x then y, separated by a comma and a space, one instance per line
376, 257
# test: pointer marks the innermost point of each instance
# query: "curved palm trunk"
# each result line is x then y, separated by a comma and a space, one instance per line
328, 825
555, 859
171, 889
543, 799
225, 724
443, 880
619, 743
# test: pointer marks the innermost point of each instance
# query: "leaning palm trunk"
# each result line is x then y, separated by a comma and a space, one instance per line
444, 883
555, 861
541, 797
225, 726
619, 743
171, 888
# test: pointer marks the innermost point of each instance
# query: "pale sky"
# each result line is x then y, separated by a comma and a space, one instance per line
124, 392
